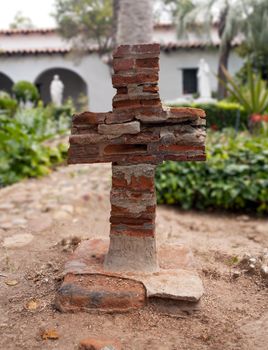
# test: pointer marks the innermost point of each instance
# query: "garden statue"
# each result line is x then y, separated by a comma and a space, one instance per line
203, 76
137, 136
56, 91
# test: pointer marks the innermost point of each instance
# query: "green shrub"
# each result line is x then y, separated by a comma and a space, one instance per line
223, 114
25, 91
8, 105
235, 176
22, 149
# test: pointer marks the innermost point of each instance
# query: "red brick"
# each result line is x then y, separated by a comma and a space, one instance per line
121, 80
180, 148
122, 90
152, 88
89, 118
156, 102
132, 50
137, 183
98, 292
133, 221
188, 112
122, 212
123, 64
125, 149
132, 231
99, 344
148, 62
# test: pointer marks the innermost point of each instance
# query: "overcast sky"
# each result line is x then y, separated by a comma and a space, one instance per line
38, 10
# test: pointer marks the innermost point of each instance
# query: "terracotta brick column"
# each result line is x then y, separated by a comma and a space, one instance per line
133, 203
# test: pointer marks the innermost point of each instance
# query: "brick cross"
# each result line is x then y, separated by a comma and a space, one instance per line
139, 134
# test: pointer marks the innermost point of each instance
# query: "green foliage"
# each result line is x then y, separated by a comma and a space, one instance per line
253, 96
223, 114
8, 104
22, 149
255, 47
25, 91
83, 20
235, 176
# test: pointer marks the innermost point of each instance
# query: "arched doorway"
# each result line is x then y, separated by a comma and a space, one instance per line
5, 83
74, 86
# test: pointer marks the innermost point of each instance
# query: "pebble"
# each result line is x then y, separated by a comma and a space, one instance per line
19, 240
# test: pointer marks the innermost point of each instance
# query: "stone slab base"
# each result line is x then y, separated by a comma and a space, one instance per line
88, 286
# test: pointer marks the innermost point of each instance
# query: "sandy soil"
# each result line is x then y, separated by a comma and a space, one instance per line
74, 202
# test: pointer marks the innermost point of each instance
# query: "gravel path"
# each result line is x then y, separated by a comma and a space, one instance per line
39, 219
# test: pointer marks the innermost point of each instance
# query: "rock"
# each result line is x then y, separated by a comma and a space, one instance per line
6, 225
236, 274
68, 208
243, 218
264, 271
61, 215
100, 344
19, 222
19, 240
41, 223
6, 206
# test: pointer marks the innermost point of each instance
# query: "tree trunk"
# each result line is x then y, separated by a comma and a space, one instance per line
223, 62
116, 9
135, 22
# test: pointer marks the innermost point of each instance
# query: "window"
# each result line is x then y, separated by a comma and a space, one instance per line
189, 81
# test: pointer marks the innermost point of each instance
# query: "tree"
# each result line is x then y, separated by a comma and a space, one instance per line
85, 22
21, 22
255, 48
201, 15
135, 22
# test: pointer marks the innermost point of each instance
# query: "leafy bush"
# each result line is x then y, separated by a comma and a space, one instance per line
25, 91
8, 104
235, 176
253, 96
22, 149
223, 114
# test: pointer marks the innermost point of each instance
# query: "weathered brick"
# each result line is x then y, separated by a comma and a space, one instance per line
180, 148
145, 230
89, 118
151, 88
119, 129
142, 78
175, 112
100, 344
134, 50
148, 62
123, 64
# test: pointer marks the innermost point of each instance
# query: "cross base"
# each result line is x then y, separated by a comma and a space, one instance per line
89, 286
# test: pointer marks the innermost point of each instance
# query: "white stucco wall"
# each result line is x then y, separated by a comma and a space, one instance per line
94, 72
171, 65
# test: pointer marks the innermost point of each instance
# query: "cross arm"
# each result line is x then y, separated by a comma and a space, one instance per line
175, 134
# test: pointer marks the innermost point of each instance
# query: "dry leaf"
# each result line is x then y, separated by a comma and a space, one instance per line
11, 283
50, 334
32, 305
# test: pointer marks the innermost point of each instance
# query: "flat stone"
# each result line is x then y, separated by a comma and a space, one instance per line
119, 129
40, 223
19, 240
176, 279
100, 344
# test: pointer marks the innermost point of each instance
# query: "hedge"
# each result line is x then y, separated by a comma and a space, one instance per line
222, 114
235, 176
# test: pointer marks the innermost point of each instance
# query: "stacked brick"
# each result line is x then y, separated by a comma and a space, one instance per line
140, 129
133, 204
136, 136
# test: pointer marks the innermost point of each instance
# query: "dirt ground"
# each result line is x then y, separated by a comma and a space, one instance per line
37, 220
